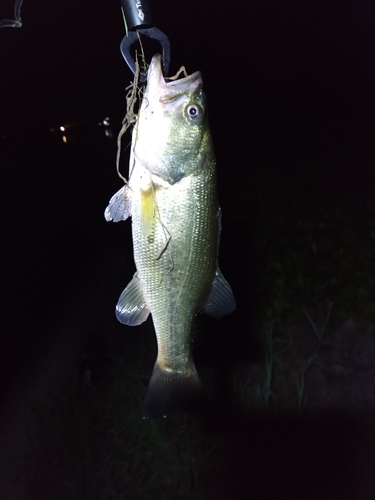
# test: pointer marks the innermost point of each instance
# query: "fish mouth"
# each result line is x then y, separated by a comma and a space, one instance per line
173, 89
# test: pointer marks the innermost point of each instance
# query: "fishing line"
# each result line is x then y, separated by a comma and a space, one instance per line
17, 21
133, 99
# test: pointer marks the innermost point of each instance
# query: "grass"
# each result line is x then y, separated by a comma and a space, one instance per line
318, 258
308, 362
93, 443
331, 254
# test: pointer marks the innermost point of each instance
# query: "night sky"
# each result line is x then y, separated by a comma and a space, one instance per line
289, 84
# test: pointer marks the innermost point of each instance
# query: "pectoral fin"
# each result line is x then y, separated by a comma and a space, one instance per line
131, 308
147, 207
220, 300
119, 207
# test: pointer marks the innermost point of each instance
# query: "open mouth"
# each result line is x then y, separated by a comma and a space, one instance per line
173, 85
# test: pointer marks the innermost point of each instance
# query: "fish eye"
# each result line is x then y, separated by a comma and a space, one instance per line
194, 111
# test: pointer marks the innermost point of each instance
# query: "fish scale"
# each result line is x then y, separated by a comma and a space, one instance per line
176, 284
171, 198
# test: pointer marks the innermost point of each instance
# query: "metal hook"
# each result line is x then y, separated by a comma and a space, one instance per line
138, 21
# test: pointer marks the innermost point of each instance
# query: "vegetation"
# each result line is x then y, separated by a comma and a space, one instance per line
315, 268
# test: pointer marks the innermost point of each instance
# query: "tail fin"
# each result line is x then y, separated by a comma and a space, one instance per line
168, 391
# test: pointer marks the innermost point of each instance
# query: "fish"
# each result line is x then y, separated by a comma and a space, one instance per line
171, 197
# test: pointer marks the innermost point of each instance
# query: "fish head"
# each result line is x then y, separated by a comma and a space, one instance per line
172, 135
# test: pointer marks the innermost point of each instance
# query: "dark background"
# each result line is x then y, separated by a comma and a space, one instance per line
290, 87
290, 91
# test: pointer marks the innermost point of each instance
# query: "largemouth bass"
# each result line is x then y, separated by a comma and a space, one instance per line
171, 197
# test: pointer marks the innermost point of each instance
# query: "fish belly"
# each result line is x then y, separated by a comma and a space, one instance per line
175, 231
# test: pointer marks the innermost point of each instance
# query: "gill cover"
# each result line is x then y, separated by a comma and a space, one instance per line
171, 124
